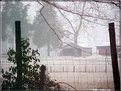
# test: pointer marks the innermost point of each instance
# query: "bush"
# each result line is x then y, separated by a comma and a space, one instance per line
33, 75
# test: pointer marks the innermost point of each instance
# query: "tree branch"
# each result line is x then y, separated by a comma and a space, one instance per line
57, 34
59, 37
76, 13
67, 20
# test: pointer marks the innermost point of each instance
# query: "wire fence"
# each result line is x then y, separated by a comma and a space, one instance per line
91, 72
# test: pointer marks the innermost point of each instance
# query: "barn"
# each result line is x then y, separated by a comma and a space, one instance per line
75, 50
105, 50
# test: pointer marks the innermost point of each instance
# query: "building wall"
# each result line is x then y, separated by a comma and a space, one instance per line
70, 52
86, 51
104, 50
76, 52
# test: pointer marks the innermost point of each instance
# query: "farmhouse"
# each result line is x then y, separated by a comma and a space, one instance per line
75, 50
105, 50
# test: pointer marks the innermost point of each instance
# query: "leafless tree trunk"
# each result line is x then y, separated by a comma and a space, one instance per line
48, 49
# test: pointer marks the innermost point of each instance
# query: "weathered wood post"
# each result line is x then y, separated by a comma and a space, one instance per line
120, 41
42, 77
115, 68
18, 53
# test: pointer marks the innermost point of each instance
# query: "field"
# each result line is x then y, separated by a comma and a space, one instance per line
85, 80
92, 72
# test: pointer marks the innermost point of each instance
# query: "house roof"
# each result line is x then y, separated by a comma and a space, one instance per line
73, 45
107, 46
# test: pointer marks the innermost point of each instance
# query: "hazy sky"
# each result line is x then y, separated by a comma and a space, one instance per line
94, 34
90, 36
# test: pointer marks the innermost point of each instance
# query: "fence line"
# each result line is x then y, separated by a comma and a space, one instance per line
92, 72
71, 64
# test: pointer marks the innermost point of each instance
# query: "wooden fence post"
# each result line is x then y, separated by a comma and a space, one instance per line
18, 53
116, 76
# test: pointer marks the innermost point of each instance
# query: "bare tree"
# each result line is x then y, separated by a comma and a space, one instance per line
92, 13
87, 11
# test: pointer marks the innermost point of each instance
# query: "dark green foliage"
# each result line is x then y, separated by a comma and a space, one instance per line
33, 75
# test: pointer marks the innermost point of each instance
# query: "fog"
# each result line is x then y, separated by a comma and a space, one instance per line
67, 43
90, 34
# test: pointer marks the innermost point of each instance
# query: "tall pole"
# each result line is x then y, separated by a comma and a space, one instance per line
0, 46
18, 53
115, 68
120, 41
